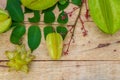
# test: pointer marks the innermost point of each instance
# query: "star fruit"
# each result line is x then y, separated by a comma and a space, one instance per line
5, 21
54, 43
39, 4
19, 59
106, 14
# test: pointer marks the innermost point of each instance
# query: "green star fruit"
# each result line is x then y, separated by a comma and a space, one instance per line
19, 59
54, 43
106, 14
5, 21
39, 4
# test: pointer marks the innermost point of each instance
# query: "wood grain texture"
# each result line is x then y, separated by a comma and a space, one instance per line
66, 70
86, 61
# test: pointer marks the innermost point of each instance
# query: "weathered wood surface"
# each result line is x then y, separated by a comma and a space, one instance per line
85, 62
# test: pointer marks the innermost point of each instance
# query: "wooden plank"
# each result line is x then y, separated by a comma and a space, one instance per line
86, 60
84, 48
66, 70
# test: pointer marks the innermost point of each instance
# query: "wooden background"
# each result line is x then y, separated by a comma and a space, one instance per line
85, 60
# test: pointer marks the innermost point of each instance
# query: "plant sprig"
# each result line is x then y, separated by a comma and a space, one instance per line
34, 31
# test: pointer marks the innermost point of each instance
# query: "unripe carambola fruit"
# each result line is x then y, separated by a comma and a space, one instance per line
38, 4
54, 43
106, 14
19, 59
5, 21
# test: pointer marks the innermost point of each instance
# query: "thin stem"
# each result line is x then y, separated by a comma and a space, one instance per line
73, 31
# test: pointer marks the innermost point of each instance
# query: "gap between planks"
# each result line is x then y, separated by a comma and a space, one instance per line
68, 60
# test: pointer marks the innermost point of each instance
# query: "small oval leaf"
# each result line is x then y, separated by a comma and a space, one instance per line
15, 10
49, 17
36, 17
63, 18
62, 30
34, 37
47, 30
62, 6
17, 34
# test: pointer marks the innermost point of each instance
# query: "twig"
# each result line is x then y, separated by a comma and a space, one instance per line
73, 31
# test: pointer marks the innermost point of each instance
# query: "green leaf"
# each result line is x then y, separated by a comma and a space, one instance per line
14, 24
62, 2
49, 17
36, 17
63, 18
15, 10
34, 37
17, 34
47, 30
77, 2
62, 30
63, 6
28, 10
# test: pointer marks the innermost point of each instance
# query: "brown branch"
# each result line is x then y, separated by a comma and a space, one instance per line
73, 31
